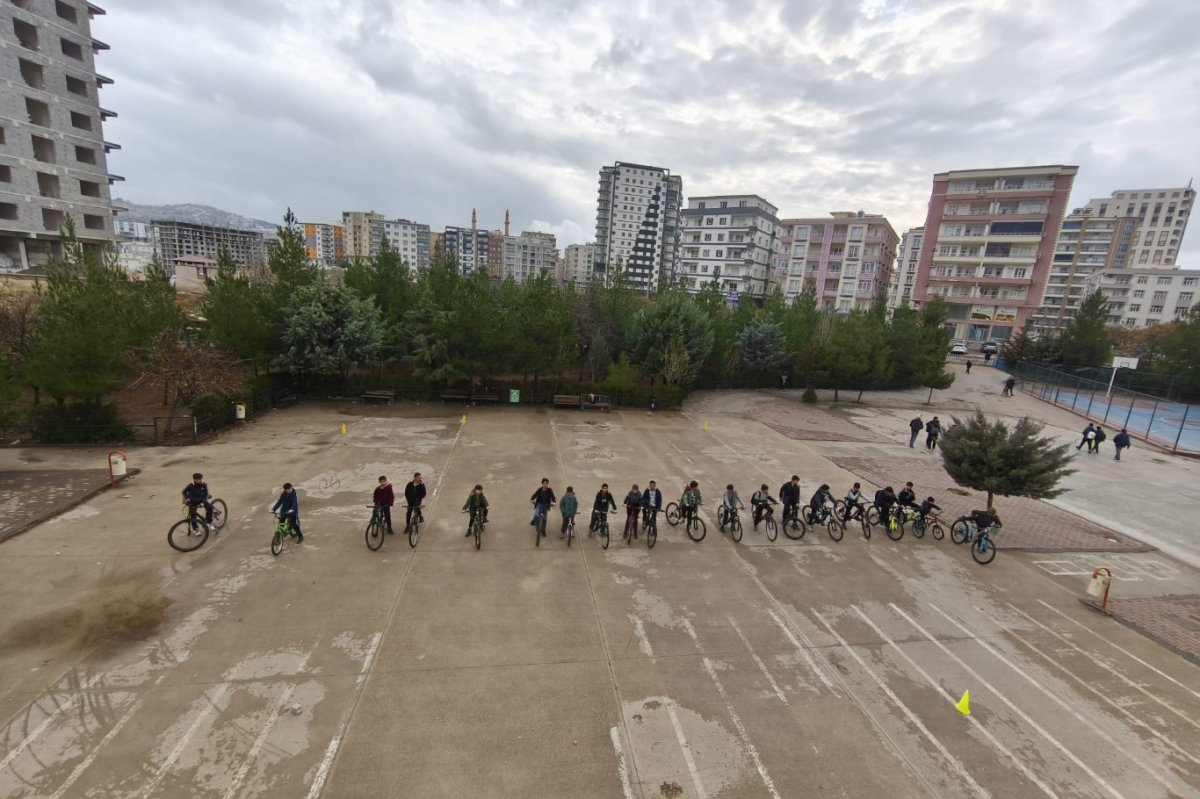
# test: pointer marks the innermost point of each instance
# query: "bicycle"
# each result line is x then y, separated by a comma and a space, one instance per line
695, 526
906, 514
827, 517
674, 514
983, 549
376, 529
413, 528
539, 529
856, 512
601, 526
189, 533
894, 527
650, 526
768, 519
729, 516
630, 522
793, 526
476, 525
930, 522
283, 530
569, 532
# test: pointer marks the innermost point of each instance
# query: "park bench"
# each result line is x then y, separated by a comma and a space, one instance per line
478, 398
602, 403
379, 395
567, 401
455, 395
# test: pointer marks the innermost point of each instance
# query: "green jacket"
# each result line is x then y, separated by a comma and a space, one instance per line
690, 499
472, 501
569, 505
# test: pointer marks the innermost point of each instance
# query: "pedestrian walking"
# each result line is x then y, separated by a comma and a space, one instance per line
915, 427
1009, 384
968, 366
1089, 433
932, 430
1120, 442
1097, 440
987, 358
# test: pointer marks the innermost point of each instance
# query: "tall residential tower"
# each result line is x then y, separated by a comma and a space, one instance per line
637, 224
732, 239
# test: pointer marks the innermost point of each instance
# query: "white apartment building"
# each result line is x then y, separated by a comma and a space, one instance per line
1146, 297
904, 276
731, 239
1162, 216
134, 255
847, 257
528, 255
52, 149
579, 262
637, 223
410, 239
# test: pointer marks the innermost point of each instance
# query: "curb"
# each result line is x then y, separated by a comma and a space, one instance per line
133, 472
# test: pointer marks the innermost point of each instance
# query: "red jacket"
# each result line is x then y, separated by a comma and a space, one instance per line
384, 495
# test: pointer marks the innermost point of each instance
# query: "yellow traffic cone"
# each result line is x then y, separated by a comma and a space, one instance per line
706, 427
463, 420
964, 704
343, 428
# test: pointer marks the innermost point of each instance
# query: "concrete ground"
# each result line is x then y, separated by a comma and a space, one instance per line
690, 670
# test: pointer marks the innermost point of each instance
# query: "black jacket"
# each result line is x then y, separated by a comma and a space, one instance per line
543, 496
196, 494
789, 494
604, 502
906, 497
884, 500
413, 493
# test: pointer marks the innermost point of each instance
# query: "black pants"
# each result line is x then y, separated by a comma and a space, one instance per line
931, 441
759, 512
293, 521
408, 515
385, 512
208, 510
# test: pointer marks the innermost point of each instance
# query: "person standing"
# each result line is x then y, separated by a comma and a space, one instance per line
968, 366
384, 498
1121, 441
1089, 433
414, 495
932, 430
915, 428
1099, 438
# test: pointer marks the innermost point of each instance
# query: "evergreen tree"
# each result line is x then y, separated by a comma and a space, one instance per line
673, 314
288, 262
10, 389
1085, 338
988, 456
760, 344
329, 330
933, 348
239, 313
1180, 351
385, 280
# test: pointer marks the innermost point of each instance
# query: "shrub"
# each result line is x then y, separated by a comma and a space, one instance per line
79, 423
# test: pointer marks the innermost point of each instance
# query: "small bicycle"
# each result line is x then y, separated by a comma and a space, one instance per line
476, 526
569, 532
283, 530
601, 526
190, 533
376, 529
728, 517
930, 522
983, 548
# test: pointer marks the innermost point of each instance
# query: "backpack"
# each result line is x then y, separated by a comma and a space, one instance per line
1091, 434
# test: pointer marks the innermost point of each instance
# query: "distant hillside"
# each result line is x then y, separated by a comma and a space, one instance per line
190, 212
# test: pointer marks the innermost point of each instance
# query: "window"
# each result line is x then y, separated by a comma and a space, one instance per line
1156, 309
719, 254
8, 211
95, 222
52, 220
1135, 307
1139, 294
1164, 281
32, 74
700, 205
89, 188
1160, 296
72, 49
43, 150
1185, 297
1142, 279
708, 237
77, 86
1020, 272
39, 112
724, 220
27, 35
724, 205
81, 121
741, 203
1016, 228
48, 185
1189, 281
5, 173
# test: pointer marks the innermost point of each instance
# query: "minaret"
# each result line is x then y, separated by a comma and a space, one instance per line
506, 223
474, 242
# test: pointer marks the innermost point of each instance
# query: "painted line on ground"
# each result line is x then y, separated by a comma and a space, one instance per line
686, 748
945, 692
803, 650
622, 769
1023, 715
958, 768
643, 642
1122, 650
174, 755
322, 774
762, 666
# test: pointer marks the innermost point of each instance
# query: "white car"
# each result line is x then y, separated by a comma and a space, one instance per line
958, 349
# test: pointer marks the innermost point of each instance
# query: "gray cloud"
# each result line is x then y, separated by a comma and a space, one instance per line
427, 109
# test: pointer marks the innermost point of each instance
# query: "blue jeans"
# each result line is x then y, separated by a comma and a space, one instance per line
913, 438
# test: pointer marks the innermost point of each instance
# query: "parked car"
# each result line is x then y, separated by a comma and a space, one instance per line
959, 349
990, 348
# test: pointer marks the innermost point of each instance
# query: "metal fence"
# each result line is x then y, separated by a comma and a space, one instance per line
1168, 423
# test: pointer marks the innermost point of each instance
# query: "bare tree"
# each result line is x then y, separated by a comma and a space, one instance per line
187, 368
18, 317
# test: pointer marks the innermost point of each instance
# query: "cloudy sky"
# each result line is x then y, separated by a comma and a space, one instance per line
427, 109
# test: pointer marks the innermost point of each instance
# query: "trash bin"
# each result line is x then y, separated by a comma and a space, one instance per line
1000, 363
514, 395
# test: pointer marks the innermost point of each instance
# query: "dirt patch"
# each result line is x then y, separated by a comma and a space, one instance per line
669, 790
125, 605
652, 705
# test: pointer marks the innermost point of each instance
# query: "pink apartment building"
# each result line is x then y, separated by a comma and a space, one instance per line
989, 244
846, 256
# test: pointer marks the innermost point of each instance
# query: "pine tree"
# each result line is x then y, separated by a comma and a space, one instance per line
1085, 338
329, 330
988, 456
933, 347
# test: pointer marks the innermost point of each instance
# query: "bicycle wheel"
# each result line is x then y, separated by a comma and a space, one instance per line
673, 514
835, 529
873, 515
651, 534
794, 529
220, 514
604, 534
187, 535
959, 531
894, 529
918, 528
570, 533
839, 507
772, 528
374, 535
477, 529
537, 531
414, 532
935, 529
735, 530
722, 517
983, 550
697, 529
866, 526
277, 542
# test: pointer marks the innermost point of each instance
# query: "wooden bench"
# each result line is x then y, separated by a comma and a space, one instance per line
455, 396
379, 394
478, 398
567, 401
602, 403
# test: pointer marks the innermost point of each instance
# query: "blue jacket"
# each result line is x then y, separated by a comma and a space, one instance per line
288, 503
652, 499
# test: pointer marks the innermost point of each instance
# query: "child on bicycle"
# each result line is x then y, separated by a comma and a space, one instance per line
985, 519
541, 501
288, 506
384, 497
789, 495
730, 501
603, 504
927, 507
476, 501
569, 506
633, 506
761, 501
196, 494
690, 501
853, 501
651, 501
816, 505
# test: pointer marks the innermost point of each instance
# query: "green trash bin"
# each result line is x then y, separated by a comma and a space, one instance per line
514, 395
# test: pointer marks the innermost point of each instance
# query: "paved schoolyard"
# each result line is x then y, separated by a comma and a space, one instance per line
31, 495
690, 670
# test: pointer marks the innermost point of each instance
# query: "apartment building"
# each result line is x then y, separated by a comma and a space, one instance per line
579, 261
637, 224
989, 244
847, 257
904, 276
324, 244
468, 246
731, 239
1086, 244
1162, 216
186, 243
1146, 297
53, 156
358, 231
528, 255
410, 239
